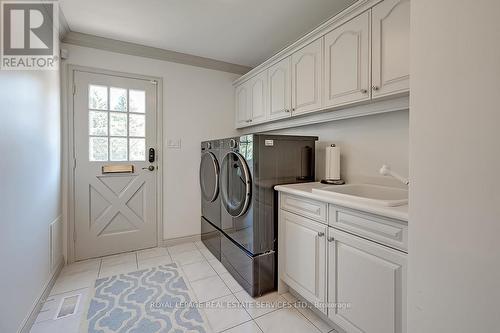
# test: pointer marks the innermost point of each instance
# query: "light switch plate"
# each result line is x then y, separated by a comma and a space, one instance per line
174, 143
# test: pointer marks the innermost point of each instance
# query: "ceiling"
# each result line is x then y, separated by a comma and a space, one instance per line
243, 32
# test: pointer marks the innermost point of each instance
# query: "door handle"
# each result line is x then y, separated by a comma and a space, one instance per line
150, 168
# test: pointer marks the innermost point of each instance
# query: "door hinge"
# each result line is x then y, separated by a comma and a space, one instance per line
74, 163
74, 89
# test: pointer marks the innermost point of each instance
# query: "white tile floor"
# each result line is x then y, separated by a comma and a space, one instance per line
209, 281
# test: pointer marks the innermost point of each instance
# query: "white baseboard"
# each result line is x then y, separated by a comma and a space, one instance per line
55, 242
30, 319
180, 240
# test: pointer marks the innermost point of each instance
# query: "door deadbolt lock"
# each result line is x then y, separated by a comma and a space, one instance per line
150, 168
151, 155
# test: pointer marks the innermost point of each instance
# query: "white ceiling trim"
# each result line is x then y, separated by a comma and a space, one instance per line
113, 45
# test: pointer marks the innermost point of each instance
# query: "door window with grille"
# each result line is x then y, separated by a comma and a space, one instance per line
117, 124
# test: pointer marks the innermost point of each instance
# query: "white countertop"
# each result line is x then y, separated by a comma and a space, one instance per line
305, 190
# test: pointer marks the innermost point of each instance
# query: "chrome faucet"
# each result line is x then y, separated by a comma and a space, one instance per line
385, 170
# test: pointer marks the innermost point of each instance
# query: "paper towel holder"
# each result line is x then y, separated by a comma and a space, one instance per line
336, 181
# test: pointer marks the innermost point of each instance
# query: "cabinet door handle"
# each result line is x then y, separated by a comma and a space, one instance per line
321, 234
375, 88
287, 111
364, 91
331, 239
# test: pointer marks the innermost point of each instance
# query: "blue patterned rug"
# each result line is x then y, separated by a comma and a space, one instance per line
146, 301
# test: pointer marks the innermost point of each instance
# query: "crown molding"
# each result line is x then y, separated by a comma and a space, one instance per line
63, 25
113, 45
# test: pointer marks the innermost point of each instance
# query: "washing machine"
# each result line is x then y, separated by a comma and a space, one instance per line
250, 167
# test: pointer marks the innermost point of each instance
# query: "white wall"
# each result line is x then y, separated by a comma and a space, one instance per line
198, 104
454, 228
29, 188
365, 144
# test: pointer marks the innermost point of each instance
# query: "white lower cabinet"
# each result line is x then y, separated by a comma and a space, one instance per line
363, 283
371, 280
303, 255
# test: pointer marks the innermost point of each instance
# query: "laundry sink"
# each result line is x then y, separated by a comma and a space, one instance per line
366, 193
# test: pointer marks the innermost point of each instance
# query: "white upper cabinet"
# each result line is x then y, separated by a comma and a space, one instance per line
391, 47
355, 57
369, 277
303, 257
251, 101
347, 62
242, 106
280, 89
306, 78
258, 92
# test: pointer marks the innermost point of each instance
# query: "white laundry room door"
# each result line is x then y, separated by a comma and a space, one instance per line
115, 172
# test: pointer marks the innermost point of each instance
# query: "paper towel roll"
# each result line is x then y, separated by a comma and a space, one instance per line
332, 158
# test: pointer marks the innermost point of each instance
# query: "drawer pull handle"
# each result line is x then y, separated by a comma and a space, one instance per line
321, 234
331, 239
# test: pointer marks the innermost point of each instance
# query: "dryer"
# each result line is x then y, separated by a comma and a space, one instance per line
210, 195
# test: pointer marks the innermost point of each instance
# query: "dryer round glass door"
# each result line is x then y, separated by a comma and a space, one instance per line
209, 177
236, 184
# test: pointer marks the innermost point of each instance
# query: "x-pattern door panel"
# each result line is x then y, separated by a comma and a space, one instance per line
126, 204
114, 126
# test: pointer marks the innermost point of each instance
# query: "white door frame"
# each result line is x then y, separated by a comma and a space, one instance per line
69, 153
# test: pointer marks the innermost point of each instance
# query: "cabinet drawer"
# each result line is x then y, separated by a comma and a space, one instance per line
379, 229
306, 207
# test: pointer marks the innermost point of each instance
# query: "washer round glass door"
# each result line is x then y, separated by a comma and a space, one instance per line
235, 184
209, 177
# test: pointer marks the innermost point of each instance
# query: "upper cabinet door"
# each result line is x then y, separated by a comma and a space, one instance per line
372, 279
391, 47
280, 89
306, 78
347, 62
258, 93
242, 105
